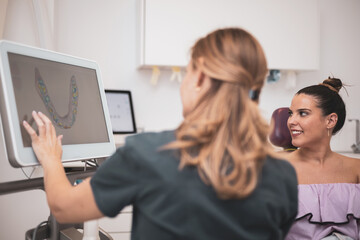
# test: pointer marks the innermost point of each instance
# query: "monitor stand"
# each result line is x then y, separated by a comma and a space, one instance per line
53, 230
56, 231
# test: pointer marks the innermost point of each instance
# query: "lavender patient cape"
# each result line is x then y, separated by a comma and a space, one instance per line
325, 208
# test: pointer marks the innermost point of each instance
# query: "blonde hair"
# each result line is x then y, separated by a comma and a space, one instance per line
225, 136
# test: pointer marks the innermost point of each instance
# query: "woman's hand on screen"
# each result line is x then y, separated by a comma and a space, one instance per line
46, 144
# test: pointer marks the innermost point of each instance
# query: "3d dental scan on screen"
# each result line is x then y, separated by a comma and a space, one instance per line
67, 89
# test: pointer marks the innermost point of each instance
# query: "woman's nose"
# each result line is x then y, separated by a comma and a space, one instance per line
291, 121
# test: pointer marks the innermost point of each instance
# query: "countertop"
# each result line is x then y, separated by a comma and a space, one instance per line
349, 154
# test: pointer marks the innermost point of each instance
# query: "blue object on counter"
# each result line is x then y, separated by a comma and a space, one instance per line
274, 76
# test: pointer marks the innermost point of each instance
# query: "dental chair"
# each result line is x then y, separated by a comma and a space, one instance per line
280, 134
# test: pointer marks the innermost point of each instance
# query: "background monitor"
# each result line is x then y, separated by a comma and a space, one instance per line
67, 89
121, 111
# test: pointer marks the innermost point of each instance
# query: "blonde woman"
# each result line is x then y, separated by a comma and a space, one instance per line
212, 178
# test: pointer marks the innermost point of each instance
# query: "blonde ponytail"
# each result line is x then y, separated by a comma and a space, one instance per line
225, 136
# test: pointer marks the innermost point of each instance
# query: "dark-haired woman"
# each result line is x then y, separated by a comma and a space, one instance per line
329, 189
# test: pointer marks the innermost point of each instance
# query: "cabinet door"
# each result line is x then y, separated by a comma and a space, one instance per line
287, 29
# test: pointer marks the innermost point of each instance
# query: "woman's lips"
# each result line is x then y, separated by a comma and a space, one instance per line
296, 133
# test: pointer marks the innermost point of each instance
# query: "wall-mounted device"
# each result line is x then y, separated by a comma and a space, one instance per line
121, 111
356, 147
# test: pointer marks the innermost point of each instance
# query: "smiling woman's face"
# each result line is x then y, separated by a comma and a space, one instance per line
306, 122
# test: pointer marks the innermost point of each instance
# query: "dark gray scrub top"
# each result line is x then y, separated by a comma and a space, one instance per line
169, 203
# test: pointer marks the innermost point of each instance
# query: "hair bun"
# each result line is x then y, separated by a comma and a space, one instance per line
334, 84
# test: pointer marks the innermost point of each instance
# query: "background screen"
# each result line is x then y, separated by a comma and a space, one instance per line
121, 111
69, 95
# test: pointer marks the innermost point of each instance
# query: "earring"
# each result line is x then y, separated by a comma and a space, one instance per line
197, 89
328, 132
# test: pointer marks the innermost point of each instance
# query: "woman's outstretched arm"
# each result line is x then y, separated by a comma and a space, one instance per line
67, 203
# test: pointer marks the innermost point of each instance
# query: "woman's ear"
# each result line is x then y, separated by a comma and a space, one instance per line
199, 73
332, 119
200, 78
203, 81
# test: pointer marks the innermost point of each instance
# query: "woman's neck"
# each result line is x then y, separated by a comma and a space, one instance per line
315, 155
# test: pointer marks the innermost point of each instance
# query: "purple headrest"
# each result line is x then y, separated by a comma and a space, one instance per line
280, 135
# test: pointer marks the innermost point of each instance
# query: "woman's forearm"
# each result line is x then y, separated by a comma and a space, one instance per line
67, 203
57, 186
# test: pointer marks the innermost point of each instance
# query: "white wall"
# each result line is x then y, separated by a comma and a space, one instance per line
339, 57
105, 31
19, 212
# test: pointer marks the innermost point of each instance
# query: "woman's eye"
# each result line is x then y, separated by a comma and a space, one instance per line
290, 113
303, 114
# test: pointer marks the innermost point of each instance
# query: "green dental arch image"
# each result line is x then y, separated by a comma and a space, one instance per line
68, 120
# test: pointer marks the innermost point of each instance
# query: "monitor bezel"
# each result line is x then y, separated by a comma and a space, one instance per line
128, 93
20, 156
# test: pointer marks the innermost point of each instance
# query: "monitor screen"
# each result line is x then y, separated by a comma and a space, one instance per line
121, 111
67, 89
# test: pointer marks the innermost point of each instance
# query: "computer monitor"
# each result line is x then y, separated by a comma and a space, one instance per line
67, 89
121, 111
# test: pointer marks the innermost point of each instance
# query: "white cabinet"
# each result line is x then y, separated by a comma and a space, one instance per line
287, 29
